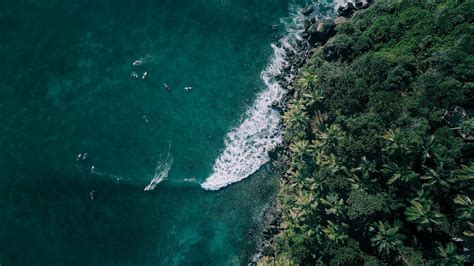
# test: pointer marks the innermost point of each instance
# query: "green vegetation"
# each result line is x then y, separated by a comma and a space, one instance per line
380, 133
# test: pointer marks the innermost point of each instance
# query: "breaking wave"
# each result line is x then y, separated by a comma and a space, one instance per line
247, 146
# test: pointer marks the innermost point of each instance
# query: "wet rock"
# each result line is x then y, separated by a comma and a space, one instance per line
275, 104
277, 149
307, 10
290, 53
267, 234
347, 10
307, 24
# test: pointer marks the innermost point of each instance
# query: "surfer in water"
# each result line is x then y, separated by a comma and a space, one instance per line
167, 87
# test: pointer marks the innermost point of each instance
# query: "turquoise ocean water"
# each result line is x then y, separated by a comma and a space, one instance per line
73, 82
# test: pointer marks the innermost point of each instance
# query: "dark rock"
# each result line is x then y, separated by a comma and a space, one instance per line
267, 233
359, 4
275, 104
307, 24
274, 229
347, 10
307, 10
321, 32
277, 149
366, 4
284, 84
275, 221
313, 20
268, 251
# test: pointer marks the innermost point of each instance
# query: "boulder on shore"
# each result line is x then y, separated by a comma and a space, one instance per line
321, 31
340, 20
347, 10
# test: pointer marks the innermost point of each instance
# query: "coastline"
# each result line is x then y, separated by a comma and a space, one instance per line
316, 33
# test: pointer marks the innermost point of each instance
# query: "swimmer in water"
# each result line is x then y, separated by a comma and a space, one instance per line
145, 119
92, 194
144, 75
81, 157
92, 169
166, 87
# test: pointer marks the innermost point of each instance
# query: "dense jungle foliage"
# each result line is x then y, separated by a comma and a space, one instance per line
380, 132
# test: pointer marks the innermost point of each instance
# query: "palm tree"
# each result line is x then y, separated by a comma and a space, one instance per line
423, 214
313, 97
395, 144
465, 208
465, 212
448, 255
305, 204
336, 232
329, 138
434, 178
361, 176
306, 81
404, 173
387, 238
365, 167
329, 161
300, 151
431, 149
334, 204
296, 119
466, 173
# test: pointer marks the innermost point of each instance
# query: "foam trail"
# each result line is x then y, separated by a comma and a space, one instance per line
247, 146
161, 172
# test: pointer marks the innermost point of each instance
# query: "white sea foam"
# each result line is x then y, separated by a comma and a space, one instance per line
161, 172
247, 146
339, 3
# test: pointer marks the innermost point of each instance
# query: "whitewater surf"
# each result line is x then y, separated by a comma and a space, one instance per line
247, 147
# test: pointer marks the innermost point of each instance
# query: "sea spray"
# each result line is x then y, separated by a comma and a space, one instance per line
247, 147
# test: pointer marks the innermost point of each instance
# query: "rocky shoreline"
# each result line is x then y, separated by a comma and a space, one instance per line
316, 34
